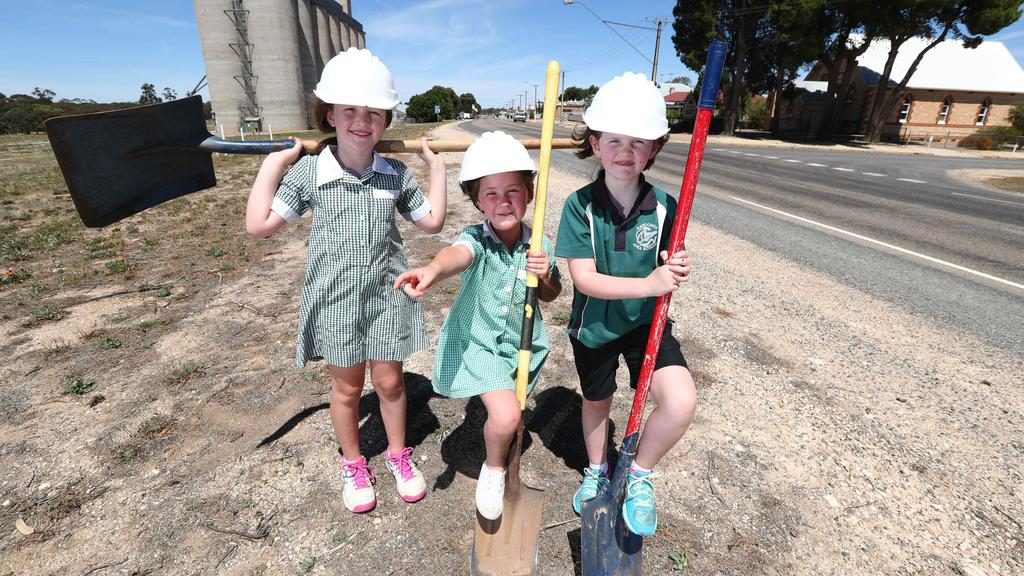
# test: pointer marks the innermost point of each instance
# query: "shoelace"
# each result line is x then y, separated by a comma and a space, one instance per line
641, 489
359, 472
403, 462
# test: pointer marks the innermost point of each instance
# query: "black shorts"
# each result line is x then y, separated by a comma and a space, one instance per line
597, 366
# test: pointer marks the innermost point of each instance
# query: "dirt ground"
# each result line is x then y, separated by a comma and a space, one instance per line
153, 422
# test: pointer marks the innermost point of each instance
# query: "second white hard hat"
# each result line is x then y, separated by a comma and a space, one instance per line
494, 153
357, 78
630, 105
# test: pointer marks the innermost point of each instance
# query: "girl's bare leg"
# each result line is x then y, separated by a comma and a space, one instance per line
346, 388
676, 399
595, 428
389, 384
502, 422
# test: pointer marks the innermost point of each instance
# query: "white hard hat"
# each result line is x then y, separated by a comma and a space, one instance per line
494, 153
630, 105
357, 78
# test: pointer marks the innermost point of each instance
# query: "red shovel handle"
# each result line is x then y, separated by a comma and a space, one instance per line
705, 107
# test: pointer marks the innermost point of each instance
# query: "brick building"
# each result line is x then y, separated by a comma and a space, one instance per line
954, 92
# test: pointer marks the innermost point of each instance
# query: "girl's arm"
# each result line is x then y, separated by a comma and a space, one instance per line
449, 261
437, 193
549, 286
661, 280
260, 221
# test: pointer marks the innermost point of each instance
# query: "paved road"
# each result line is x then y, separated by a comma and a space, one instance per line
894, 225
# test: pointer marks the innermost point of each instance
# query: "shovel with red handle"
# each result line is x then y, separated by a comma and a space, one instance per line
607, 546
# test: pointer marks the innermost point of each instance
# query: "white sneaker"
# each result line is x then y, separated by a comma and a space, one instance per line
357, 486
411, 485
490, 492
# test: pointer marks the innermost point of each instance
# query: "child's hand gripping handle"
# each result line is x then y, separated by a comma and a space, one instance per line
705, 107
537, 238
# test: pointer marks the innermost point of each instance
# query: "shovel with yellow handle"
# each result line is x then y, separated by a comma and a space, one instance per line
121, 162
508, 546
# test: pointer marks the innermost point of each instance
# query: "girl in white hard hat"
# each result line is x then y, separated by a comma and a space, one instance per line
477, 352
349, 315
614, 233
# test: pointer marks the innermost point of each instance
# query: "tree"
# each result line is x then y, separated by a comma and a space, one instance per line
169, 94
421, 106
742, 24
682, 80
43, 94
576, 93
935, 20
1017, 116
149, 95
468, 104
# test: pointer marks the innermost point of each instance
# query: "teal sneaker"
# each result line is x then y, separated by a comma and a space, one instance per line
593, 482
638, 507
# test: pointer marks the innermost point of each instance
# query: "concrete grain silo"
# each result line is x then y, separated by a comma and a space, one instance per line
264, 57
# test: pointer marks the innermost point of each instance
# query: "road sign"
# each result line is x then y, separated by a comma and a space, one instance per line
437, 108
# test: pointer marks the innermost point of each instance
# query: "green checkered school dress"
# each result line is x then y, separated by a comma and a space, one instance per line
478, 349
349, 312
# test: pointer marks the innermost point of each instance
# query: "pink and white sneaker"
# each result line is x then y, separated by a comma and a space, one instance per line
357, 486
411, 485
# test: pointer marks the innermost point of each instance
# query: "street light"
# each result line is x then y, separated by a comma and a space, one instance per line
608, 23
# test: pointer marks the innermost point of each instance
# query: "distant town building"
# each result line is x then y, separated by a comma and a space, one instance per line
954, 92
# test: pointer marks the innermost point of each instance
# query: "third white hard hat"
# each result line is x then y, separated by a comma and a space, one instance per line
630, 105
357, 78
494, 153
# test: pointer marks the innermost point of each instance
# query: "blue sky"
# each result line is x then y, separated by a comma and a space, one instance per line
496, 49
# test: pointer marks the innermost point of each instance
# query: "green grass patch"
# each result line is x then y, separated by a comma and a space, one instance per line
184, 373
109, 343
79, 386
47, 313
11, 276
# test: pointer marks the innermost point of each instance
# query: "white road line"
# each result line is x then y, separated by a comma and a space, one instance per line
735, 152
873, 174
911, 180
749, 154
817, 165
989, 199
841, 169
884, 244
719, 149
772, 157
793, 161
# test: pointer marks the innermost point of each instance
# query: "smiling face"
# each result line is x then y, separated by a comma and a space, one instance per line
503, 198
359, 129
623, 157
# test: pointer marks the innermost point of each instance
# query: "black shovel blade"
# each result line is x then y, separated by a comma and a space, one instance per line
607, 547
121, 162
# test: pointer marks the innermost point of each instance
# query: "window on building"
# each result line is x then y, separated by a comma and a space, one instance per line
983, 112
944, 109
905, 110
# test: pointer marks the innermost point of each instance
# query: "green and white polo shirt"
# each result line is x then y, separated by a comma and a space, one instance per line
478, 349
350, 311
592, 227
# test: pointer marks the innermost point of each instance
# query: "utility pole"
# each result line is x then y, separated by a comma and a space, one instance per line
535, 99
657, 47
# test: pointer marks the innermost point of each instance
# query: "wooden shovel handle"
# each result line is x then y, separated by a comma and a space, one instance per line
413, 146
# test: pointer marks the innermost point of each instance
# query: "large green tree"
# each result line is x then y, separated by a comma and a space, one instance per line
468, 104
421, 106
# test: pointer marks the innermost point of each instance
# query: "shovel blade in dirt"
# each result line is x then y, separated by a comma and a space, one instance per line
608, 548
122, 162
508, 546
